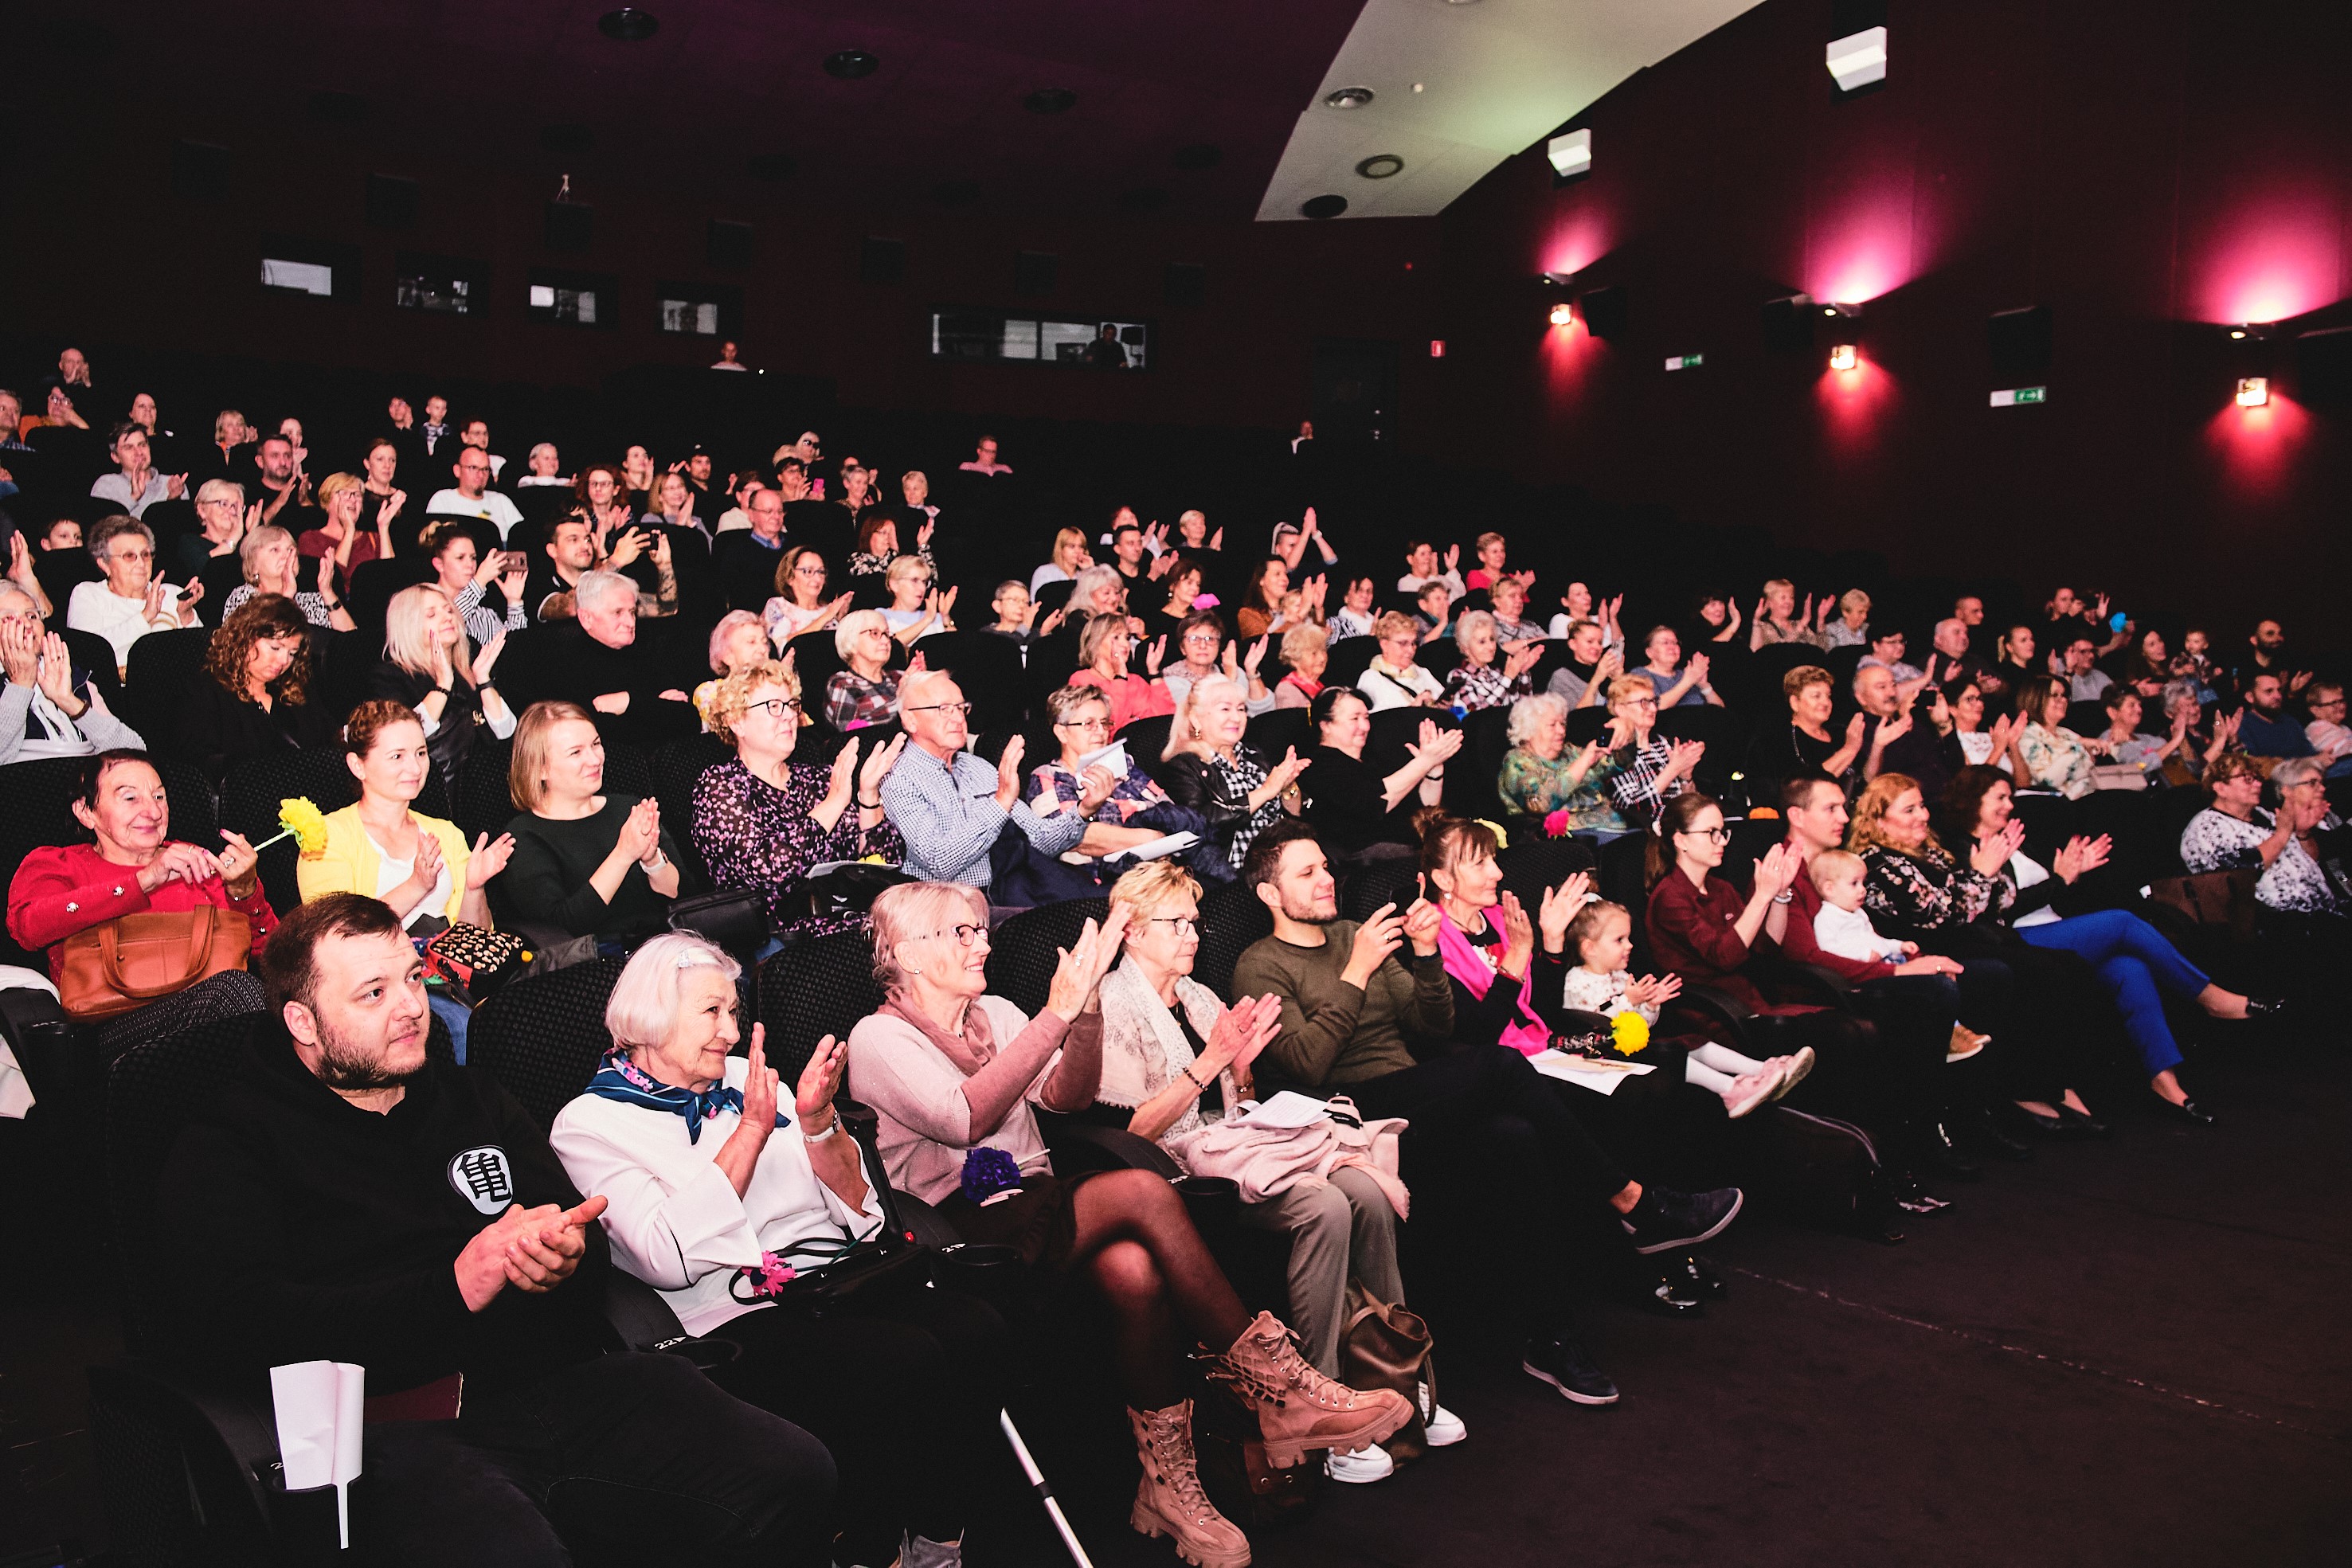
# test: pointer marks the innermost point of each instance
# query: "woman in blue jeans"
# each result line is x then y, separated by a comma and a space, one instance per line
2133, 959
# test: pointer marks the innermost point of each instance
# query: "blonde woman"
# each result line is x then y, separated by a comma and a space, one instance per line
1104, 645
1069, 560
349, 540
1779, 620
917, 607
588, 861
273, 565
1308, 651
429, 666
1212, 770
1851, 628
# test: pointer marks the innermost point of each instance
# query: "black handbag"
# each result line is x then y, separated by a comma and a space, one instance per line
845, 890
861, 1275
735, 918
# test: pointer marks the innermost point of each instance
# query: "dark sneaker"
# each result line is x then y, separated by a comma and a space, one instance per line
1565, 1364
1666, 1219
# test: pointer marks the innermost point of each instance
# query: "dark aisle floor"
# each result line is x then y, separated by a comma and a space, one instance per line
2126, 1354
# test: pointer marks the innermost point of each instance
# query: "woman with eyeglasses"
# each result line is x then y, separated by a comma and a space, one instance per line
1393, 679
1202, 650
952, 1072
1104, 646
1208, 769
917, 607
761, 819
865, 691
1648, 771
1124, 807
799, 604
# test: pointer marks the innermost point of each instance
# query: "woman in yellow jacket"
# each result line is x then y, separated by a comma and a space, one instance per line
379, 848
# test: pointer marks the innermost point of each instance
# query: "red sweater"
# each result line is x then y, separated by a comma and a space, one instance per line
1691, 934
1798, 941
1132, 697
62, 889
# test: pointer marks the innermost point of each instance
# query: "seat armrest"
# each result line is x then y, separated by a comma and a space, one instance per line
45, 1047
222, 1441
1078, 1145
1576, 1021
1834, 989
924, 1222
1714, 1010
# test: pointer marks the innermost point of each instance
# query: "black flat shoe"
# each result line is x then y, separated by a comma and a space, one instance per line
2034, 1120
2265, 1006
1987, 1135
2187, 1111
2073, 1123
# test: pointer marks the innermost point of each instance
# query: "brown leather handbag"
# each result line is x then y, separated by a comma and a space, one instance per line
1384, 1346
122, 965
2223, 899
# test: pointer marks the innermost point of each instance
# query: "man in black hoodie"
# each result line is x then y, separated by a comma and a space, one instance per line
350, 1198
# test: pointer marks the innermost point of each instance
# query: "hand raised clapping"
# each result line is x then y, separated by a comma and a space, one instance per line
1083, 965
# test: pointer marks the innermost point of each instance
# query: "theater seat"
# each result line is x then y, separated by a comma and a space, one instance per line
483, 804
1023, 952
541, 1036
817, 986
1232, 917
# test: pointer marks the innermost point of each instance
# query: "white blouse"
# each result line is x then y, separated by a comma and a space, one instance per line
675, 1220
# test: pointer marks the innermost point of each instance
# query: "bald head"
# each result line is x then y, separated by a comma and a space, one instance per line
1951, 637
930, 709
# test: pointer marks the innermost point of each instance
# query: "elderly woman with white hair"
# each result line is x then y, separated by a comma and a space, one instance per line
430, 666
49, 708
1489, 676
1177, 1060
953, 1073
130, 601
737, 643
866, 690
718, 1188
1541, 775
1212, 770
1099, 590
763, 819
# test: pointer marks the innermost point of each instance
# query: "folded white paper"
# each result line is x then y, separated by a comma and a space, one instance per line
321, 1413
1161, 849
1112, 758
1288, 1109
1585, 1071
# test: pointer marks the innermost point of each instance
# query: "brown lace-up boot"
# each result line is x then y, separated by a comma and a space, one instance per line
1299, 1409
1170, 1501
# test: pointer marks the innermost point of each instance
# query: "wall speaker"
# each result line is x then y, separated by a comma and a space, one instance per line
571, 225
1604, 311
392, 201
729, 244
1034, 271
882, 260
1186, 285
200, 170
2020, 341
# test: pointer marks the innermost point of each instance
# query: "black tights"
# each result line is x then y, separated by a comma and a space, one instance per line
1138, 1247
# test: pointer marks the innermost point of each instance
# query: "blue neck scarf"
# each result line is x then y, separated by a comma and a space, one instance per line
618, 1078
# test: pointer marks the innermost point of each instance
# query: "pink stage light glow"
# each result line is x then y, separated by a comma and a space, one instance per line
2257, 446
2275, 258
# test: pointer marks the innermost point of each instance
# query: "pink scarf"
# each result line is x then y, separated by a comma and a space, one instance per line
1465, 962
971, 1050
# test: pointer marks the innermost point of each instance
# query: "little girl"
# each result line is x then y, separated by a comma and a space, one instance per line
1602, 937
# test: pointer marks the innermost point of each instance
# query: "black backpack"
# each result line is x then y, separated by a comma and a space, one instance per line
1821, 1171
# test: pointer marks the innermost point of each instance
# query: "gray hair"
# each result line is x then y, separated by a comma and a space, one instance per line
2178, 692
1180, 737
598, 589
108, 530
2292, 770
725, 629
1528, 713
845, 636
8, 587
1470, 621
1082, 590
220, 490
912, 911
546, 446
644, 1008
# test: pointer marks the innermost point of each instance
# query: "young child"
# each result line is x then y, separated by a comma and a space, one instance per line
1843, 929
1602, 937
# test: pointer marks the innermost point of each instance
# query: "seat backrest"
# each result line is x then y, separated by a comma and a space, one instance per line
91, 652
484, 804
1281, 729
988, 668
1392, 881
1533, 866
1349, 658
1022, 952
157, 675
1146, 737
1232, 917
1395, 729
1471, 776
1841, 663
542, 1036
817, 987
1622, 879
815, 656
1587, 724
676, 767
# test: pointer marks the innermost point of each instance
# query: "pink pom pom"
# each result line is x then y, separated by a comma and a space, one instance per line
1556, 825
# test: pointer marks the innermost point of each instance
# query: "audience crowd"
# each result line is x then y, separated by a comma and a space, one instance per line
1601, 902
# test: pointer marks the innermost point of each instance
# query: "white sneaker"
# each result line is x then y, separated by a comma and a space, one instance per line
1444, 1428
1794, 1068
1366, 1465
1761, 1087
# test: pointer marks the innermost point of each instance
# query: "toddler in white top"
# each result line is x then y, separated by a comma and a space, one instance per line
1842, 928
1602, 937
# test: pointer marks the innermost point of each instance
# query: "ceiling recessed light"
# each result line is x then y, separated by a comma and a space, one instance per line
771, 166
1323, 206
1348, 96
1380, 166
1050, 100
1200, 155
849, 65
629, 24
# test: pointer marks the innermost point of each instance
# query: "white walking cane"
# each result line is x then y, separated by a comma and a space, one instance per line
1044, 1492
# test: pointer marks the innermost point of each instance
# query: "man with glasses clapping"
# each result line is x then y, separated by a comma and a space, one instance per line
951, 806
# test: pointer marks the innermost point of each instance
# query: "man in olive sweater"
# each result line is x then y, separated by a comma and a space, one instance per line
1355, 1019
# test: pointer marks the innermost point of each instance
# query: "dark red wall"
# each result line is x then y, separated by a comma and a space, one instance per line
116, 256
2146, 169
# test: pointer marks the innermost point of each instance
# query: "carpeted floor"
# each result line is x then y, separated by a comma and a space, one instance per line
2132, 1352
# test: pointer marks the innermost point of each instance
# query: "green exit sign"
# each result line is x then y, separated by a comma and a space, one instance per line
1685, 362
2011, 396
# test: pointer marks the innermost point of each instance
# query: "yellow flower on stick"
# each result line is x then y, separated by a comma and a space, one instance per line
1632, 1032
303, 823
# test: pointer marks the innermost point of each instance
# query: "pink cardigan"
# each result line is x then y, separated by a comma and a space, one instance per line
1132, 697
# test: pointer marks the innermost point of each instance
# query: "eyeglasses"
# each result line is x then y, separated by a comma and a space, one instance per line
1185, 925
1638, 702
965, 935
776, 708
815, 571
1082, 724
1717, 835
941, 707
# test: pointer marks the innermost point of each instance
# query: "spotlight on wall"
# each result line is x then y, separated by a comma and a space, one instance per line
1571, 154
1437, 348
1563, 314
1858, 59
2237, 333
1842, 357
2253, 392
